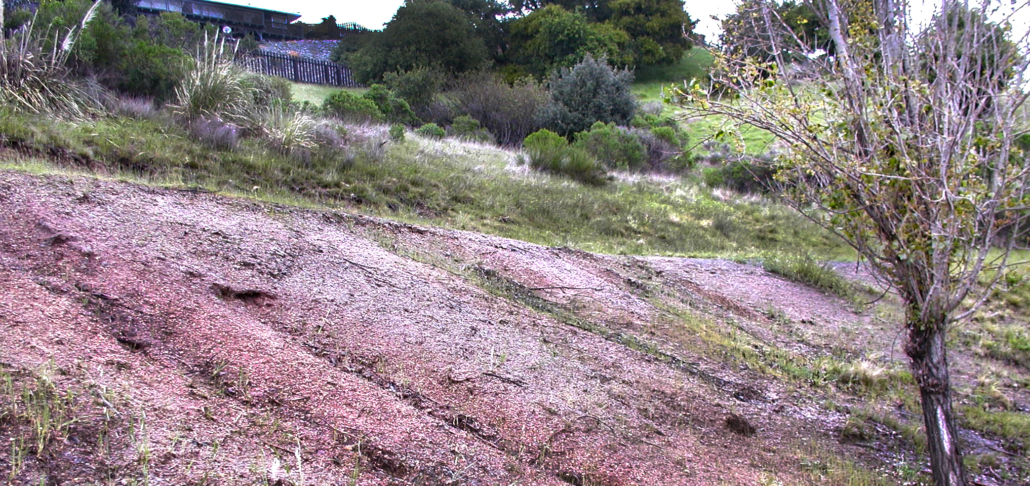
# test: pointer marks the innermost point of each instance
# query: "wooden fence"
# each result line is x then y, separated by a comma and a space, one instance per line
299, 69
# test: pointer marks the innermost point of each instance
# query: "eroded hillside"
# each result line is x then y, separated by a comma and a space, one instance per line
184, 337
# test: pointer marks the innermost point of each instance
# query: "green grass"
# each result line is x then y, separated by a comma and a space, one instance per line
651, 80
315, 93
756, 141
803, 268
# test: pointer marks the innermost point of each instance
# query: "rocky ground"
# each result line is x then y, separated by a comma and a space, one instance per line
191, 338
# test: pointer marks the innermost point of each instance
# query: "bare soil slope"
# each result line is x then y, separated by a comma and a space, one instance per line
193, 338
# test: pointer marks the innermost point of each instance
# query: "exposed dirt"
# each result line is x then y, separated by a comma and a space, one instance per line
216, 340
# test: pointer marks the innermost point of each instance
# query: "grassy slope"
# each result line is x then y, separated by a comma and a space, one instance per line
315, 94
444, 183
651, 83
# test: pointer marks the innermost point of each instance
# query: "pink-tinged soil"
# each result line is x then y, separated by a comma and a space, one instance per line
211, 340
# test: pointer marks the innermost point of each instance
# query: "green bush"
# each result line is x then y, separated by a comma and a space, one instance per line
550, 152
468, 128
665, 149
615, 146
153, 70
351, 107
266, 90
397, 132
434, 34
431, 130
741, 175
509, 111
591, 91
738, 171
394, 109
417, 86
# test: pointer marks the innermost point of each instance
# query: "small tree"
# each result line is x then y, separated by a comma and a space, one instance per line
591, 91
423, 33
907, 150
552, 37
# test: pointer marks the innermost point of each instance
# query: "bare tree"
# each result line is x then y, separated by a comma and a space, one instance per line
906, 150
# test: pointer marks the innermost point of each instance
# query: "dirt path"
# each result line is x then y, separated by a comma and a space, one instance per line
257, 343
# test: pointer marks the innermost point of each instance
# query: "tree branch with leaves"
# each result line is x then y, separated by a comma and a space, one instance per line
906, 148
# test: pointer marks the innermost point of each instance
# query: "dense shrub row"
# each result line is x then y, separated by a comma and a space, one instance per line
589, 105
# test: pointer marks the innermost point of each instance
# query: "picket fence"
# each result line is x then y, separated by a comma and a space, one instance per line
299, 69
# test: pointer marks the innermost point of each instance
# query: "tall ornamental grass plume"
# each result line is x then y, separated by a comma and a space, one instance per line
214, 86
288, 130
35, 79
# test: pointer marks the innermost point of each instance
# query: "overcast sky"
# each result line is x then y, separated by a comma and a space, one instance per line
374, 13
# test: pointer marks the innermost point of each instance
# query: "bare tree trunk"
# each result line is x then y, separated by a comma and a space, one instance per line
926, 348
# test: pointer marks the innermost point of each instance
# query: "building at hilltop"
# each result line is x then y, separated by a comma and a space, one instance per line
238, 20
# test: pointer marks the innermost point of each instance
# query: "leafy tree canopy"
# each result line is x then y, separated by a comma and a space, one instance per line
552, 37
423, 33
657, 29
488, 18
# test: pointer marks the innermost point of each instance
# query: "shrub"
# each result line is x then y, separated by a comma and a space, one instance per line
417, 86
266, 90
215, 133
509, 111
152, 70
615, 146
173, 29
331, 142
214, 85
289, 131
351, 107
397, 132
393, 108
550, 152
742, 174
590, 92
431, 130
468, 128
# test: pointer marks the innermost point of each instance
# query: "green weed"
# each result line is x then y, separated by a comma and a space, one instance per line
804, 269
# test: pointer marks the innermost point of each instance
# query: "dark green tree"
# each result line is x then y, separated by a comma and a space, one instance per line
423, 33
552, 37
124, 7
658, 29
488, 18
595, 10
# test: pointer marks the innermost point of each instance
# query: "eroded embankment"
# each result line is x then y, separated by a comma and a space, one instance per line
209, 339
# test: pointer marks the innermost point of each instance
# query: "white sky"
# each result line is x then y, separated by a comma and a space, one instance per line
374, 13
